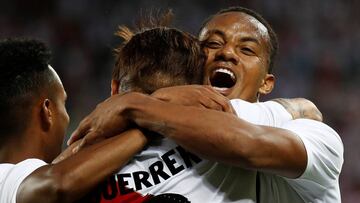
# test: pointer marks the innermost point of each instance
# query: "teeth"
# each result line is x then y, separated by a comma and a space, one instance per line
223, 70
220, 88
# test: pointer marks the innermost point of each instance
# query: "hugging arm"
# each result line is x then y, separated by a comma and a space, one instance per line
212, 134
75, 176
222, 136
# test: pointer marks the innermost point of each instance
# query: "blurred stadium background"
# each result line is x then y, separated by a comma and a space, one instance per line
318, 59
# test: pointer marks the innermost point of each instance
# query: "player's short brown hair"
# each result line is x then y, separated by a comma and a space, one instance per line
157, 57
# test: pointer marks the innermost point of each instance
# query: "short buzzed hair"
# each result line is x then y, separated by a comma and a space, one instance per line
24, 72
157, 57
273, 44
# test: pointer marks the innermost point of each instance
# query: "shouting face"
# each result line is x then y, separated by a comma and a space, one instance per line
237, 47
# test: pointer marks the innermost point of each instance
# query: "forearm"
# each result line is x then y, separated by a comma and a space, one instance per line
221, 136
74, 177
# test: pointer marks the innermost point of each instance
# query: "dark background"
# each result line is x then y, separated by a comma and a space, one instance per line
318, 57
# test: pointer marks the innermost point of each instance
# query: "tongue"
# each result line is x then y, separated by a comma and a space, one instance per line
221, 80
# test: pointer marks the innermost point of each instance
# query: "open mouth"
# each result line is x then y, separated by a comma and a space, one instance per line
222, 78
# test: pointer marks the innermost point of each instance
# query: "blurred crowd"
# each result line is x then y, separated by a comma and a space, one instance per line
317, 59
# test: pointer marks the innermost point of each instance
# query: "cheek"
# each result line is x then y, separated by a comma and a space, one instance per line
252, 78
64, 121
254, 67
209, 60
67, 118
65, 114
210, 55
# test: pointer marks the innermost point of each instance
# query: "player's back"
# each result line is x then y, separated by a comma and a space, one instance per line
165, 167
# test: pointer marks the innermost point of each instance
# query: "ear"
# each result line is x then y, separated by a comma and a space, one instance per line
267, 84
46, 115
114, 87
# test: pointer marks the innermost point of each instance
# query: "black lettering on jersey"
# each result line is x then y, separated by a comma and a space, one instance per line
168, 197
141, 177
123, 183
109, 190
170, 162
187, 157
156, 170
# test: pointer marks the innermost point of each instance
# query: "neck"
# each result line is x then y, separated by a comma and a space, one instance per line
20, 148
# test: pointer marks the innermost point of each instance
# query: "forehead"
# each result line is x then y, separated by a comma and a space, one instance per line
236, 24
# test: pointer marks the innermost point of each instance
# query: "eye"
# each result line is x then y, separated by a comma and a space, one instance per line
213, 44
247, 51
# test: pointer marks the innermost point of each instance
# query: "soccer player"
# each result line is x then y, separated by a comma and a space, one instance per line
33, 120
298, 161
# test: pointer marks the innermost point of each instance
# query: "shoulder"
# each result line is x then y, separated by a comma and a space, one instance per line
268, 113
312, 125
7, 169
320, 135
29, 164
12, 175
324, 150
19, 170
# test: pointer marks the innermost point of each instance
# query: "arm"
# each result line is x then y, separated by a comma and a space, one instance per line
221, 136
72, 178
206, 96
104, 121
325, 159
300, 108
281, 152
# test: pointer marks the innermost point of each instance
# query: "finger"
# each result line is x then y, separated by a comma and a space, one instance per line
91, 138
79, 132
231, 110
210, 104
58, 159
226, 106
222, 100
82, 144
159, 94
77, 148
66, 153
219, 99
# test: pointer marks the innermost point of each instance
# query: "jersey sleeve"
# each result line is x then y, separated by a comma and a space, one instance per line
324, 150
268, 113
12, 177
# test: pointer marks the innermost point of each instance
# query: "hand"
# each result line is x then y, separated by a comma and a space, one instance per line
301, 108
68, 152
108, 119
194, 95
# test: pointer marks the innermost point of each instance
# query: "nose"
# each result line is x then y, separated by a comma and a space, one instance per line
227, 53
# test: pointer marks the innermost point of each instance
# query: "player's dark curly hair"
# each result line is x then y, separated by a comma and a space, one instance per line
23, 73
274, 44
156, 57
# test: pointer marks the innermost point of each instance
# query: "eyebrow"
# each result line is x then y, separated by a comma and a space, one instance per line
243, 39
250, 39
216, 32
